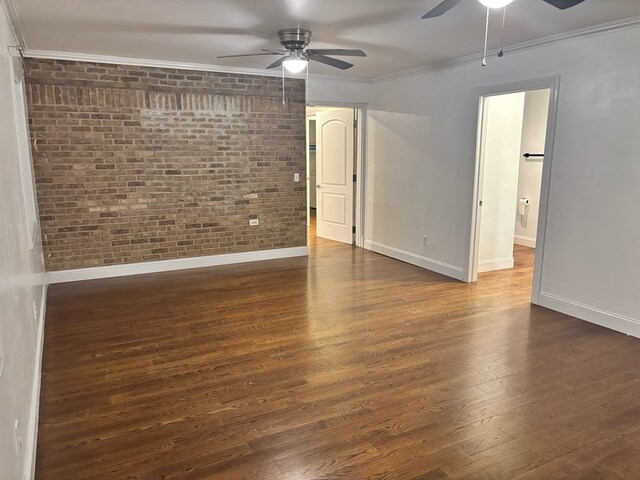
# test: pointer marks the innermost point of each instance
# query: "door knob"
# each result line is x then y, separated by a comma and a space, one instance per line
318, 186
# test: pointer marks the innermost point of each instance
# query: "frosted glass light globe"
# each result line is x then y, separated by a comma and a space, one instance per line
295, 65
495, 3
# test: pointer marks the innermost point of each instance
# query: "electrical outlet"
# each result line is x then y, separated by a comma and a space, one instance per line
254, 222
425, 241
18, 437
296, 177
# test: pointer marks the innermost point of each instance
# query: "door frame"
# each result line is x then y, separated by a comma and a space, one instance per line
308, 155
360, 143
553, 84
27, 176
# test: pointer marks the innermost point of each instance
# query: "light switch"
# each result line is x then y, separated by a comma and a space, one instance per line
296, 177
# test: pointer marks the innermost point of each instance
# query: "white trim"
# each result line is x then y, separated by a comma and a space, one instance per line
414, 259
109, 271
604, 318
495, 264
339, 79
13, 17
524, 241
361, 163
202, 67
330, 104
600, 29
27, 175
32, 435
361, 155
307, 177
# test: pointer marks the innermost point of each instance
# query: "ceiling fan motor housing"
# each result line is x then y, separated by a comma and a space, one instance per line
294, 38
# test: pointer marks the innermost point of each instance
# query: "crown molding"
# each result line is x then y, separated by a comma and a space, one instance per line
202, 67
11, 11
339, 78
600, 29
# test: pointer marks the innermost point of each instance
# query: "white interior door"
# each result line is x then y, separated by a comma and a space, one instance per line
334, 175
501, 141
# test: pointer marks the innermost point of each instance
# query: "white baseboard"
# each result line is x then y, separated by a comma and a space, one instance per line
32, 434
495, 264
613, 321
415, 259
109, 271
525, 241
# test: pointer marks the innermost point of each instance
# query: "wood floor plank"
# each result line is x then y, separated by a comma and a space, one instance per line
347, 364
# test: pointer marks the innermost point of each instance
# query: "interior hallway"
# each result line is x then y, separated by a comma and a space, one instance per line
347, 364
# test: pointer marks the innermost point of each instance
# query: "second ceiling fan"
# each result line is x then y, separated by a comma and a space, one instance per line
447, 5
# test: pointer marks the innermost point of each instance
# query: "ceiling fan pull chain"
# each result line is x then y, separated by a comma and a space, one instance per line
486, 40
504, 18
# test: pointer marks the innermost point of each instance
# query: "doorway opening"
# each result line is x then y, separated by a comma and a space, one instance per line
515, 137
334, 166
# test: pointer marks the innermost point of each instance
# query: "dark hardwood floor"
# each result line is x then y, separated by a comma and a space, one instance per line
346, 365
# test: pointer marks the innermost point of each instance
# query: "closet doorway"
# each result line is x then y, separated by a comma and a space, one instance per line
514, 147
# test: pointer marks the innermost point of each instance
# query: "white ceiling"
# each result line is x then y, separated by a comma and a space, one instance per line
390, 31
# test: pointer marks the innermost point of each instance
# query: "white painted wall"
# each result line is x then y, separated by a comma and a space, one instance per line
421, 150
21, 284
337, 91
534, 130
501, 142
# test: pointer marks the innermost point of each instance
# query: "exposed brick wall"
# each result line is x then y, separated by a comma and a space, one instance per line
134, 164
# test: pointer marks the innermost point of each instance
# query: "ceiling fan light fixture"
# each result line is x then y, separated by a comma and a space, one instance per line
295, 64
495, 3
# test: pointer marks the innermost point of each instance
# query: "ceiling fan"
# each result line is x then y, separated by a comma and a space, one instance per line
296, 56
447, 5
